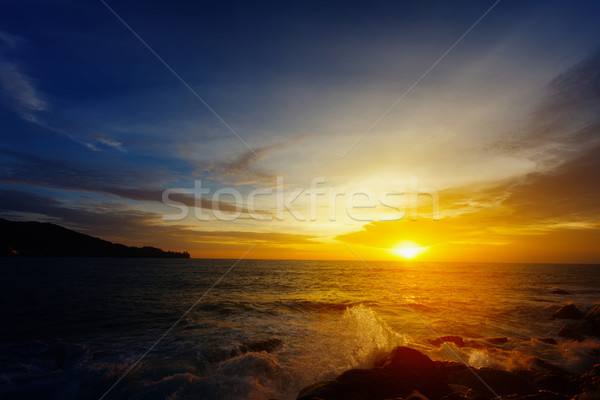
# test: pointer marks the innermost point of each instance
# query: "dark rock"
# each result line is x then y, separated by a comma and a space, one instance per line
457, 340
540, 395
571, 333
416, 395
413, 366
591, 323
476, 345
593, 315
450, 370
454, 396
489, 382
497, 340
547, 340
401, 358
558, 383
459, 389
267, 345
358, 384
570, 311
404, 371
546, 366
590, 381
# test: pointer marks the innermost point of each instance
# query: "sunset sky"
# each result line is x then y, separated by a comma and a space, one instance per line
498, 115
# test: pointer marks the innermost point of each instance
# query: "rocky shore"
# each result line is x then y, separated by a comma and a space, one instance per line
406, 373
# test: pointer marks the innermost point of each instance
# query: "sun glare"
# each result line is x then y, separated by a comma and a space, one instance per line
408, 250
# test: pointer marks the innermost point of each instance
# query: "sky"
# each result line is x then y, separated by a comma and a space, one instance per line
466, 131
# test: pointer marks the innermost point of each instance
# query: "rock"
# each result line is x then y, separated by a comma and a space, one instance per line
450, 370
497, 340
546, 366
403, 372
590, 381
593, 315
557, 383
483, 379
547, 340
571, 333
570, 311
587, 396
358, 384
416, 395
591, 323
415, 367
459, 389
260, 345
401, 358
540, 395
476, 345
457, 340
454, 396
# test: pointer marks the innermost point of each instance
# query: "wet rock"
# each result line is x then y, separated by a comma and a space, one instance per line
267, 345
547, 340
590, 381
403, 372
457, 340
454, 396
546, 366
555, 382
416, 395
587, 396
413, 366
489, 382
593, 315
450, 370
591, 323
497, 340
571, 333
540, 395
358, 384
401, 358
570, 311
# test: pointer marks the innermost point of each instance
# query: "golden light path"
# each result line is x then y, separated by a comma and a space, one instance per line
408, 249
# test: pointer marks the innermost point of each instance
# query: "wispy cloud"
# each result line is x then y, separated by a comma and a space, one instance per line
19, 92
243, 168
120, 181
566, 122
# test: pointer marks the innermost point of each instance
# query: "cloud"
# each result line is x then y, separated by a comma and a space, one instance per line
11, 41
243, 169
19, 92
567, 119
134, 184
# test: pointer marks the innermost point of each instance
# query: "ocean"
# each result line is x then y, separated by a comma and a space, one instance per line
71, 327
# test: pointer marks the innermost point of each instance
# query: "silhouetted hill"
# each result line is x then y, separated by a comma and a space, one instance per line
36, 239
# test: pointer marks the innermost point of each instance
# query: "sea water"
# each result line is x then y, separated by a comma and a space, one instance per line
70, 328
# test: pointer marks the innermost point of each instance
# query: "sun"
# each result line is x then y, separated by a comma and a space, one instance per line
408, 250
